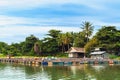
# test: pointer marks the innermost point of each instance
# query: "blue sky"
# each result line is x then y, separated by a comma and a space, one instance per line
21, 18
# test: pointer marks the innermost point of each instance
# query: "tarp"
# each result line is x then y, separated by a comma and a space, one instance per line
98, 52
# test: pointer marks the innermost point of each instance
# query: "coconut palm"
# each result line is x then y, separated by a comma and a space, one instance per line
68, 39
87, 29
60, 40
64, 40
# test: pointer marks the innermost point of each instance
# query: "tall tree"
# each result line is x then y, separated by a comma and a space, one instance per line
79, 39
65, 40
3, 48
37, 48
109, 37
29, 43
61, 41
50, 44
91, 44
53, 33
87, 29
106, 34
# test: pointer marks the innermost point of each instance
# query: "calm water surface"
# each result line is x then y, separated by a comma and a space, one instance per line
81, 72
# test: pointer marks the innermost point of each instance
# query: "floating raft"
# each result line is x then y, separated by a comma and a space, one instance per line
58, 61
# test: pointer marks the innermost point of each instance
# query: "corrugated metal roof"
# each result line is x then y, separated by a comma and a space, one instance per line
98, 52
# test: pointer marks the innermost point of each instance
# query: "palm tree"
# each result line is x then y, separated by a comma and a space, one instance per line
68, 39
87, 29
64, 39
60, 40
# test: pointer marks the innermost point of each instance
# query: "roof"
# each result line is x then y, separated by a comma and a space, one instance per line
76, 49
98, 52
97, 49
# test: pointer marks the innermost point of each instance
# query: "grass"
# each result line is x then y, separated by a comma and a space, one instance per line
62, 55
2, 56
5, 56
112, 56
118, 58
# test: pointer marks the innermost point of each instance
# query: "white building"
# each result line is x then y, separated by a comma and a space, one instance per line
98, 54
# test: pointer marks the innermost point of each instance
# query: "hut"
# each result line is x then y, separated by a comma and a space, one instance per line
99, 53
76, 52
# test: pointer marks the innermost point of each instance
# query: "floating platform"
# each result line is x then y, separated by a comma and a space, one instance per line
58, 61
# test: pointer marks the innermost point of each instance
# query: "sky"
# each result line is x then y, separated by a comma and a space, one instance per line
21, 18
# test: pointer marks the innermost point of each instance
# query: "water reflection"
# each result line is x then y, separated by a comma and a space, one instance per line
81, 72
98, 67
36, 73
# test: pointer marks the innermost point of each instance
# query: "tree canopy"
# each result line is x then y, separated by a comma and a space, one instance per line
57, 41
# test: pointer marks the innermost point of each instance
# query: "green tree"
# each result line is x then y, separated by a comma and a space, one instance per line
65, 40
15, 49
91, 44
79, 39
60, 41
106, 34
87, 29
109, 37
37, 48
3, 48
50, 44
53, 33
29, 44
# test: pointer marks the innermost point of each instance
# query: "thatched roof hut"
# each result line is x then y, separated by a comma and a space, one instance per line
76, 52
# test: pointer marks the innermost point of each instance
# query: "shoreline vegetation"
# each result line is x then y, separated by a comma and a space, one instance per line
57, 43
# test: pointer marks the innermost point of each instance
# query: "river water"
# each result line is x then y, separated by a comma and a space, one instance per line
80, 72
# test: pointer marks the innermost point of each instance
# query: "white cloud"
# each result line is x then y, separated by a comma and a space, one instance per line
11, 31
11, 21
10, 26
24, 30
25, 4
7, 20
17, 34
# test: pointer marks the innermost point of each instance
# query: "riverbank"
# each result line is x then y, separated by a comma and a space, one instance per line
57, 61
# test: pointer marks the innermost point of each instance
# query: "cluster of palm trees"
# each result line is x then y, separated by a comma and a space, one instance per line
64, 39
80, 39
58, 41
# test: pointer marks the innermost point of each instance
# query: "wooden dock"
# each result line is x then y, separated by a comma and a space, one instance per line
58, 61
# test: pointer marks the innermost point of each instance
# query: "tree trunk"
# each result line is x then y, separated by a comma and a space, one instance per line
68, 46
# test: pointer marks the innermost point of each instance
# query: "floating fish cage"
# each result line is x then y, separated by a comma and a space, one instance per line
116, 62
58, 63
44, 63
67, 63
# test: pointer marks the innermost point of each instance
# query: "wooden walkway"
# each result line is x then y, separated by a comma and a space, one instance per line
58, 61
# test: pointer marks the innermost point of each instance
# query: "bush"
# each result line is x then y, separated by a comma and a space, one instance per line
62, 55
118, 58
2, 55
112, 56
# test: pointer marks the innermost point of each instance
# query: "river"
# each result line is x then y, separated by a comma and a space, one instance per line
81, 72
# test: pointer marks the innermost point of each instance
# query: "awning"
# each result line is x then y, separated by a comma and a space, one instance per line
98, 52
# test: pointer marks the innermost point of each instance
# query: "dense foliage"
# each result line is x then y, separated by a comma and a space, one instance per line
57, 42
109, 37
